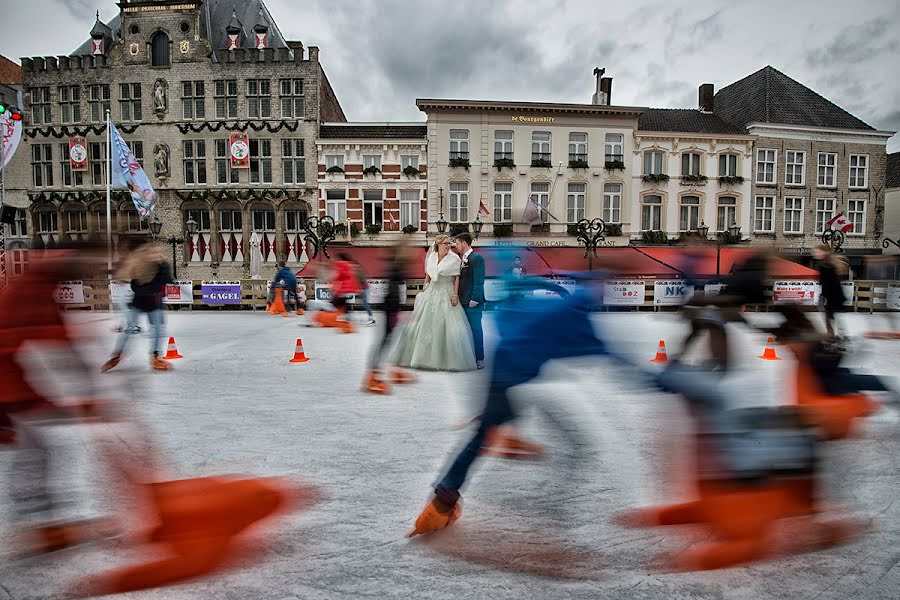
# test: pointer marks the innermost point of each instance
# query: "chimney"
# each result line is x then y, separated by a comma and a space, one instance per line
707, 98
598, 73
606, 90
314, 54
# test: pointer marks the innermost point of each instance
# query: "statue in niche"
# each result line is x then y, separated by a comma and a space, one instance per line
160, 93
161, 160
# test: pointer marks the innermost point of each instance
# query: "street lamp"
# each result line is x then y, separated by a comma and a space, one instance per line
703, 230
477, 225
886, 242
590, 234
320, 231
441, 223
156, 227
734, 233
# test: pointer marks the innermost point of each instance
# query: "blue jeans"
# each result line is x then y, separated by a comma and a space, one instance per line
448, 489
474, 316
157, 320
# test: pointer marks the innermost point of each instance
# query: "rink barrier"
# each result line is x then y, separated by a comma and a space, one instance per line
869, 296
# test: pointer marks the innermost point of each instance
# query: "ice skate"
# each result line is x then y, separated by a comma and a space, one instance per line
110, 364
504, 442
159, 365
433, 519
401, 376
375, 385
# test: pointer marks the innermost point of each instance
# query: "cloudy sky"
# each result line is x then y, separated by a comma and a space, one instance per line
380, 55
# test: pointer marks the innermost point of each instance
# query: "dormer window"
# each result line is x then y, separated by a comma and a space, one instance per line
159, 50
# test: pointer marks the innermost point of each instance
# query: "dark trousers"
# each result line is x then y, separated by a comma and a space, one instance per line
390, 323
844, 381
474, 317
448, 489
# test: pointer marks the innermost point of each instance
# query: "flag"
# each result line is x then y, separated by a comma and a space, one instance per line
841, 223
240, 150
10, 135
127, 173
532, 214
78, 153
483, 209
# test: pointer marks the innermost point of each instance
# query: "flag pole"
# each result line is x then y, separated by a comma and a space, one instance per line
108, 196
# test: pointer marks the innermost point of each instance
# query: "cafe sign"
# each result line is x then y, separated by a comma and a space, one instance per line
524, 119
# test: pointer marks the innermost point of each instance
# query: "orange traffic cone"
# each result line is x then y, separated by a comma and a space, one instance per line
299, 354
661, 356
769, 352
172, 352
277, 307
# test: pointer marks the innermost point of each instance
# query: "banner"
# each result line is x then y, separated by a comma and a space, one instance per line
240, 150
893, 296
127, 173
674, 292
494, 290
712, 289
120, 293
78, 154
181, 292
10, 135
567, 284
323, 292
798, 292
623, 293
221, 292
69, 292
378, 289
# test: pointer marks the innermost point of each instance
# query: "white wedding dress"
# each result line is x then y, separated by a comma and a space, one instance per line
437, 337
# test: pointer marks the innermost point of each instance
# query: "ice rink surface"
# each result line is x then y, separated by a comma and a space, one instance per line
537, 529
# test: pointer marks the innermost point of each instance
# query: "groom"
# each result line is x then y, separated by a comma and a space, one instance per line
471, 291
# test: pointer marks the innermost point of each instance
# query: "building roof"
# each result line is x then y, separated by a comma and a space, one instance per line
371, 131
770, 96
686, 120
10, 72
429, 104
215, 16
892, 171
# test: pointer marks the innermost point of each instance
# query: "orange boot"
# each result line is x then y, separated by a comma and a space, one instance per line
159, 364
433, 518
400, 376
375, 385
506, 443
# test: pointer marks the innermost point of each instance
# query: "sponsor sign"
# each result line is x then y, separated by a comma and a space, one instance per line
221, 292
567, 284
78, 154
712, 289
893, 296
623, 293
378, 289
323, 292
120, 293
674, 292
69, 292
494, 290
797, 292
181, 292
240, 150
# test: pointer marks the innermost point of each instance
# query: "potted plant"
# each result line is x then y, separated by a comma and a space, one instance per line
458, 228
731, 180
542, 228
504, 163
654, 237
613, 229
541, 163
410, 229
612, 165
459, 163
655, 178
354, 230
339, 229
503, 230
727, 239
411, 171
578, 164
694, 178
334, 169
572, 229
373, 229
373, 170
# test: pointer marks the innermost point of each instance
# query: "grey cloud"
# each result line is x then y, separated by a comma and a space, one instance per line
83, 10
853, 44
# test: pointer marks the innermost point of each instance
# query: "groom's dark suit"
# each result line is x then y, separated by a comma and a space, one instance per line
471, 287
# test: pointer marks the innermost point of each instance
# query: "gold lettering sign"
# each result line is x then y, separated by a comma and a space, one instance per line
184, 46
524, 119
132, 9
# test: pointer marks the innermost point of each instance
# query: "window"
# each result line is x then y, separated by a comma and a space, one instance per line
293, 162
100, 218
69, 178
226, 99
765, 166
459, 143
231, 228
40, 106
137, 150
690, 163
856, 214
726, 213
18, 258
651, 213
793, 215
613, 147
824, 213
859, 170
42, 165
263, 219
373, 207
200, 217
336, 205
75, 223
540, 195
459, 201
653, 163
259, 101
133, 221
689, 215
69, 103
503, 145
728, 165
194, 161
372, 160
19, 226
612, 203
540, 145
578, 146
410, 208
198, 245
795, 163
231, 220
763, 214
224, 172
409, 160
130, 101
334, 160
295, 220
575, 202
193, 99
46, 221
503, 202
260, 161
98, 102
292, 98
97, 153
827, 169
159, 50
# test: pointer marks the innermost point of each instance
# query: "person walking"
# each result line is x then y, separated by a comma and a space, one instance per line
364, 292
471, 292
832, 269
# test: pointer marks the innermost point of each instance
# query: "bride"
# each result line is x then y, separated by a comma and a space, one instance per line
438, 336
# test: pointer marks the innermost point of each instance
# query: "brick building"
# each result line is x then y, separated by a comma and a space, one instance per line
812, 160
179, 77
13, 236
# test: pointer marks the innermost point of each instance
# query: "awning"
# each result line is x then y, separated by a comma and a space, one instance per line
567, 260
702, 262
375, 261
